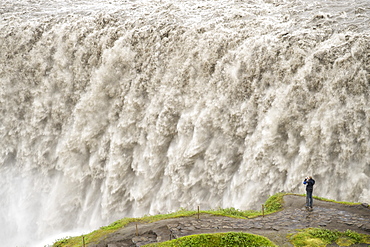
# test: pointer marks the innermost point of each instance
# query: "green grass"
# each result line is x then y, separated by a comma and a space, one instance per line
230, 239
341, 202
233, 212
93, 236
317, 237
324, 199
274, 203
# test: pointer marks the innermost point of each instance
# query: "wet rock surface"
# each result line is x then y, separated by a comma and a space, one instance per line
275, 226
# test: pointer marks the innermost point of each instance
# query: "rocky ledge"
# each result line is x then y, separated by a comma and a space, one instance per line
276, 226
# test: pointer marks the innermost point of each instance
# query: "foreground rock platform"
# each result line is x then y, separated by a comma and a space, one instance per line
276, 226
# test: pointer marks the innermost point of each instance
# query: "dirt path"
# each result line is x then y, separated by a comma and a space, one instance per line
275, 226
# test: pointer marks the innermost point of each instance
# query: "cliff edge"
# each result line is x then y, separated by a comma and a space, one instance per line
276, 226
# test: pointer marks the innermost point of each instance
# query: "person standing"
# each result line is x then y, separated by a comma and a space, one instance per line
309, 182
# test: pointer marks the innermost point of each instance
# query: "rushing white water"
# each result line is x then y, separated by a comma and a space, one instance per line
123, 108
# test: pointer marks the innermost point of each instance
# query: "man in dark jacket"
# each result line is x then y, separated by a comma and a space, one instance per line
309, 182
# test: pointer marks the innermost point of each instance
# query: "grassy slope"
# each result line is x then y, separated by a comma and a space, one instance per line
273, 204
315, 237
230, 239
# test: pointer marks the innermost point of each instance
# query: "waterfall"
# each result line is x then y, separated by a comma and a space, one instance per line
124, 108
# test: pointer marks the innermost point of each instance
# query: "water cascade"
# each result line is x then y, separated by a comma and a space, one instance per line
124, 108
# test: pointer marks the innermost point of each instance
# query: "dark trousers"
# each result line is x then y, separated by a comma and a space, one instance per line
309, 199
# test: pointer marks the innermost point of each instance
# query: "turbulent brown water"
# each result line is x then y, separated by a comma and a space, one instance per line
124, 108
